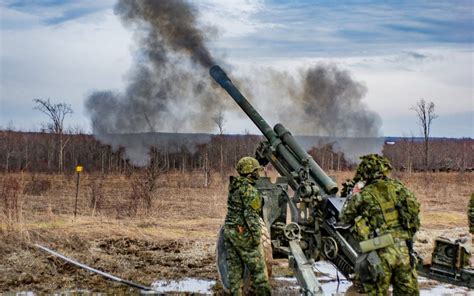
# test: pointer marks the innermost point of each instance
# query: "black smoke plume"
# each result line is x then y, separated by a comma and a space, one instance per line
322, 100
329, 102
173, 22
169, 88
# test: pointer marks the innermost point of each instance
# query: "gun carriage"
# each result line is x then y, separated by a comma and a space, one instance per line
311, 232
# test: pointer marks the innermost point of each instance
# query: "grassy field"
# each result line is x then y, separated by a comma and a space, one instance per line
171, 237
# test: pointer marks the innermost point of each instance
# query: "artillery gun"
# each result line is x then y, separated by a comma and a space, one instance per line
311, 232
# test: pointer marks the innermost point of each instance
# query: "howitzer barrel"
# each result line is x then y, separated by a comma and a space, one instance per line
315, 170
290, 151
221, 77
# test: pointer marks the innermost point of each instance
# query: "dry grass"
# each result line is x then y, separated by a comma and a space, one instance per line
172, 237
443, 197
441, 189
11, 204
181, 198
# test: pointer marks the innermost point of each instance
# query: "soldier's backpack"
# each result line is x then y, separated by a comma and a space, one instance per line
408, 209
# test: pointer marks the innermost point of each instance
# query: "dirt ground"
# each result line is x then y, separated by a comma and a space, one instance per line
172, 238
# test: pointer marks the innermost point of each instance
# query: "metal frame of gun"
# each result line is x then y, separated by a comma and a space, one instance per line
313, 232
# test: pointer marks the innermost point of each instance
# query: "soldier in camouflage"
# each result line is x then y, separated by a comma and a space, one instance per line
242, 232
384, 207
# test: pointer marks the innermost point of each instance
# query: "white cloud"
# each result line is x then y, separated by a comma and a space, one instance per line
55, 12
396, 82
234, 18
10, 18
62, 63
68, 60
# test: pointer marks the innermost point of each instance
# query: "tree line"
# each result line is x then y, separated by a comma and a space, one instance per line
44, 152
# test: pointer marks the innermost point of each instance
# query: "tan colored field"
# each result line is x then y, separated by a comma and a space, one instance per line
173, 238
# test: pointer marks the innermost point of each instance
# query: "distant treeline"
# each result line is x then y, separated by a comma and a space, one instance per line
446, 154
39, 152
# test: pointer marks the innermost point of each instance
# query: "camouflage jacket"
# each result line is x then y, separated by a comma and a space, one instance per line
244, 205
378, 209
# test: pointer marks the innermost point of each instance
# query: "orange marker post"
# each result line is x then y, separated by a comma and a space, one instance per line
79, 169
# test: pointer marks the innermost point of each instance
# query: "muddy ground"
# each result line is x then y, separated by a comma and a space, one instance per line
174, 238
129, 254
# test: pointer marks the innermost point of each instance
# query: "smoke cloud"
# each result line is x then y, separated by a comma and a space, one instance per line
169, 88
330, 104
322, 100
173, 22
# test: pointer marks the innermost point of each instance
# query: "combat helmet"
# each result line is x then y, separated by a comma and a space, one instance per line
373, 166
247, 165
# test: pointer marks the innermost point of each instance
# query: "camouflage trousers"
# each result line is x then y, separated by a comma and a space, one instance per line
243, 251
398, 272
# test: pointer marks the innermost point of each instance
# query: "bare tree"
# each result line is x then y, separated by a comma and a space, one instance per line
144, 185
219, 120
8, 141
56, 113
426, 114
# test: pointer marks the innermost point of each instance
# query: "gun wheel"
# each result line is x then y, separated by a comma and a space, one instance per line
330, 248
292, 231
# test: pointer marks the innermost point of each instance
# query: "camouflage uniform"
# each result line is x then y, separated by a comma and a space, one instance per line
242, 230
470, 214
385, 206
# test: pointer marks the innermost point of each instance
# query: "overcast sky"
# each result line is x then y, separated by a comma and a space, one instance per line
402, 51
